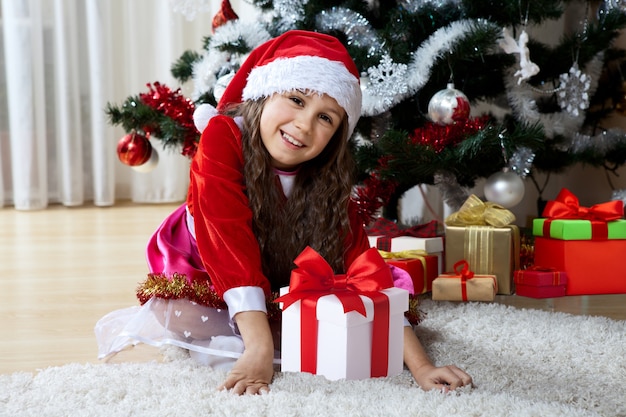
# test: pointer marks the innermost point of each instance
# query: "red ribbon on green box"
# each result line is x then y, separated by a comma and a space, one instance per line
567, 207
314, 278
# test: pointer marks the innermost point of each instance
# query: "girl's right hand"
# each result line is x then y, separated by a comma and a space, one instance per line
253, 371
251, 374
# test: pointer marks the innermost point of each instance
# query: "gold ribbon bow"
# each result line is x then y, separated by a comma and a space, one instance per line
475, 212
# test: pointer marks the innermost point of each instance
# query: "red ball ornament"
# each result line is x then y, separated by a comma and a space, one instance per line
449, 106
134, 149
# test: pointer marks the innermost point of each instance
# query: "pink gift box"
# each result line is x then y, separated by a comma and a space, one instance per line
344, 340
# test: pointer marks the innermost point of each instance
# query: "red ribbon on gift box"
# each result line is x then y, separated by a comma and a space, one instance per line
461, 268
566, 206
314, 278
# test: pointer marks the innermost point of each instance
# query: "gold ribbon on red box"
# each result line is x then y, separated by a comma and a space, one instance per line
556, 275
314, 278
417, 254
567, 207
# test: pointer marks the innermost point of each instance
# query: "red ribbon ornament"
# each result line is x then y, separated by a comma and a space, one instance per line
461, 268
314, 278
567, 207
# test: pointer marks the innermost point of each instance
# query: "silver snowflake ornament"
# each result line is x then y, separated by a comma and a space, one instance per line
388, 79
573, 94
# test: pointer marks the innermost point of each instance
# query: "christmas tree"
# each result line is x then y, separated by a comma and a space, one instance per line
454, 90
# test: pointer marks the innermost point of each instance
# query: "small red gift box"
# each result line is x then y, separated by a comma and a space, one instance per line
423, 269
538, 282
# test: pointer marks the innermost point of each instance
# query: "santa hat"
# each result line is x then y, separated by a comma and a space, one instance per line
296, 59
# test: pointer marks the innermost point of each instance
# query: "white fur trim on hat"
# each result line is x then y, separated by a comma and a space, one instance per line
312, 73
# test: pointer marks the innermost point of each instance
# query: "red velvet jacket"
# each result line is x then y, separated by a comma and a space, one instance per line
222, 217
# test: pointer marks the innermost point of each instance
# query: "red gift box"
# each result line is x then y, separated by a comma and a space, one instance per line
592, 266
423, 270
538, 282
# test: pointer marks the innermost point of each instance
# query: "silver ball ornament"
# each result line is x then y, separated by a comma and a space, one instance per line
504, 188
449, 106
619, 195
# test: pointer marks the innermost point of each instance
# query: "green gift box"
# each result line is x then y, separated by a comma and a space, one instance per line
576, 229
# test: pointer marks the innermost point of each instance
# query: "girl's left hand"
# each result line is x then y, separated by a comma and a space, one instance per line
444, 378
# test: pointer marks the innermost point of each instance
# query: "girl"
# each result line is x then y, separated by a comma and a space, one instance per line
272, 175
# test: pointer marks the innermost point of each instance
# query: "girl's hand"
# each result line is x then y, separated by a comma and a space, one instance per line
253, 371
251, 374
444, 378
427, 375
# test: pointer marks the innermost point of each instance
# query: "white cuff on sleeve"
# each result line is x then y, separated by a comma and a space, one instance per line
240, 299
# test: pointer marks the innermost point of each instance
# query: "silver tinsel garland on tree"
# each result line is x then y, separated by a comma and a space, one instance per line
358, 30
388, 83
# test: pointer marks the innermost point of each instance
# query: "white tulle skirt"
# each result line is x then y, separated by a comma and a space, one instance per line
208, 333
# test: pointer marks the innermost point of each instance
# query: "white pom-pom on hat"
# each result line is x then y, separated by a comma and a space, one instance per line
202, 114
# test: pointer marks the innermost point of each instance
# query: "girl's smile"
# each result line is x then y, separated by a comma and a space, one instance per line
296, 126
292, 141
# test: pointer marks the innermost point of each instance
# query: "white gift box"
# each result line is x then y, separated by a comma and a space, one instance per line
344, 340
432, 246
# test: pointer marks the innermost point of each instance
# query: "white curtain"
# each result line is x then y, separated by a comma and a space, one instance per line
61, 62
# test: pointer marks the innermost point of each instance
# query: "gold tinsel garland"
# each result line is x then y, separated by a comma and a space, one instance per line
200, 291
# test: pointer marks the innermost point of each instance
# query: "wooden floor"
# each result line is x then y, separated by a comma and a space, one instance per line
61, 269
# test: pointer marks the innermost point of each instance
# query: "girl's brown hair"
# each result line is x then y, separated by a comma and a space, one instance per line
316, 213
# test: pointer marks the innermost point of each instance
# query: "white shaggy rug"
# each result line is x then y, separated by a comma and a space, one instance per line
524, 363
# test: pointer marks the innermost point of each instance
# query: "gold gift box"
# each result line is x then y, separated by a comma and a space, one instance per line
488, 250
449, 287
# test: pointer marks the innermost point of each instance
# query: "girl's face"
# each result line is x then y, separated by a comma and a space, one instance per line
297, 126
